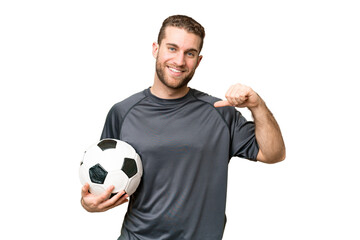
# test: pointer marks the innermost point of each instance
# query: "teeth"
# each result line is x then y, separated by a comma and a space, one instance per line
174, 70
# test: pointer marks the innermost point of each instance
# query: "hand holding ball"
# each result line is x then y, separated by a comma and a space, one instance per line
111, 162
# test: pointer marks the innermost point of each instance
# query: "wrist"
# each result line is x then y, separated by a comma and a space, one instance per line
259, 108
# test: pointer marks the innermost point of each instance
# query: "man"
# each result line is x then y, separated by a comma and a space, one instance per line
185, 139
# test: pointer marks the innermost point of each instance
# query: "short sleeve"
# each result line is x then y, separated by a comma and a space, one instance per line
112, 124
243, 141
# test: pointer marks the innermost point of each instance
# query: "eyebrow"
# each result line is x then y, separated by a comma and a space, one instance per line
187, 50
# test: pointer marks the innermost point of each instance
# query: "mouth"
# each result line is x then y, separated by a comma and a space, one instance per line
176, 71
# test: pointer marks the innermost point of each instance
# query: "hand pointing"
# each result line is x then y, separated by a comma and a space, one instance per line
241, 96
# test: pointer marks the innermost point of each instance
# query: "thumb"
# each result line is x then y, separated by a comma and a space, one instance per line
85, 190
222, 103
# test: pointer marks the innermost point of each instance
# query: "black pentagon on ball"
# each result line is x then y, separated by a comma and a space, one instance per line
107, 144
97, 174
129, 167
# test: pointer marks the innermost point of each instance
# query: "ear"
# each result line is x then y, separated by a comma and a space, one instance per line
155, 49
199, 60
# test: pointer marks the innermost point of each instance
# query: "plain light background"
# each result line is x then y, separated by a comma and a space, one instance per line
63, 64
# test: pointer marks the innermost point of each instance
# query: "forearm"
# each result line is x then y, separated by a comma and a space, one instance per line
267, 131
268, 135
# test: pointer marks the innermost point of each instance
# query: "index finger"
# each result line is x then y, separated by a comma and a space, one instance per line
106, 195
222, 103
117, 199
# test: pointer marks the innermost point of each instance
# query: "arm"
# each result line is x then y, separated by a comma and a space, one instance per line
268, 135
267, 131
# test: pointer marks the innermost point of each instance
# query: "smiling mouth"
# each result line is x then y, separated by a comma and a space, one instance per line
175, 70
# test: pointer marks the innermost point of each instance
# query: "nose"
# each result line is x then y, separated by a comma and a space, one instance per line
179, 59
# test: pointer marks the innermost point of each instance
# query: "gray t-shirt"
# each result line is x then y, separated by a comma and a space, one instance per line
185, 145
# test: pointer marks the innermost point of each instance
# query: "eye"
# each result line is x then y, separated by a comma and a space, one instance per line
171, 49
191, 54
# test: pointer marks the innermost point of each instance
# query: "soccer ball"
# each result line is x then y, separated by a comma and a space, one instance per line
111, 162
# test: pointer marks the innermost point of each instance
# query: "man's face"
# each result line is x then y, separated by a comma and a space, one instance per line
177, 57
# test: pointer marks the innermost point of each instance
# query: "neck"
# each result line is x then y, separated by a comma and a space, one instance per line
164, 92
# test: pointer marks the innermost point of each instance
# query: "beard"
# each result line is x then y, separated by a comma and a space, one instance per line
180, 83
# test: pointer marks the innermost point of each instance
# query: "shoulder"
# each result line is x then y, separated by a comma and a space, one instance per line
122, 107
204, 97
228, 113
